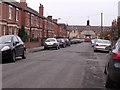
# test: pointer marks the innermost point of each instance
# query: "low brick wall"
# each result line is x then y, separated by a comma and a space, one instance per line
32, 44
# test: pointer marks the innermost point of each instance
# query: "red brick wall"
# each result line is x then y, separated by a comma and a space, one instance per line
32, 44
56, 29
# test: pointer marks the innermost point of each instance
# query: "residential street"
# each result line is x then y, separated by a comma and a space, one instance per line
76, 66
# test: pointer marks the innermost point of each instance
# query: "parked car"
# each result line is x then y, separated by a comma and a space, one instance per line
62, 42
68, 43
93, 41
73, 41
102, 45
112, 66
51, 43
12, 46
78, 40
87, 39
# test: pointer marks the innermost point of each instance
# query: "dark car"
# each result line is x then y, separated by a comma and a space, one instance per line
68, 43
62, 42
112, 67
73, 41
11, 46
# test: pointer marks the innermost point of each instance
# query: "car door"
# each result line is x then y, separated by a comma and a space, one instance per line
21, 45
16, 46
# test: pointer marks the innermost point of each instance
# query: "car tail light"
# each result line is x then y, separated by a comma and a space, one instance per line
116, 55
97, 45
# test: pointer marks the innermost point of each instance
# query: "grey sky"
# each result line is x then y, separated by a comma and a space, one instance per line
76, 12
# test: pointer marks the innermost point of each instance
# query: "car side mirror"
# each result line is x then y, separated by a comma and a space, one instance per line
15, 43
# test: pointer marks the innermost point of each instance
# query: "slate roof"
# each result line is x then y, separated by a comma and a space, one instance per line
94, 28
13, 3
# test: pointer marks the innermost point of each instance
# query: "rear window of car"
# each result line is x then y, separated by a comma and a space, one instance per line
103, 41
50, 40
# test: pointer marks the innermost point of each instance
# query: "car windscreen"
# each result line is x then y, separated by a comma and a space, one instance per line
5, 39
50, 40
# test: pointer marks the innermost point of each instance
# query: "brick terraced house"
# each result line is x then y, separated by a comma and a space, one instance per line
14, 15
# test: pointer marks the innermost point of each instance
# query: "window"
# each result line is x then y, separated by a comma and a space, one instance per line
15, 31
10, 30
40, 22
10, 12
17, 14
28, 19
15, 39
37, 20
4, 30
32, 19
19, 39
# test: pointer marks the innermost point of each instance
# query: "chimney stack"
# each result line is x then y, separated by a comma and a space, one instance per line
55, 20
23, 3
41, 10
49, 17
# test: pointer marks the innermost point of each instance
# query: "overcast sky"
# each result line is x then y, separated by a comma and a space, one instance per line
76, 12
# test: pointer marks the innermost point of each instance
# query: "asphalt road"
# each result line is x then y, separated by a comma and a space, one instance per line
76, 66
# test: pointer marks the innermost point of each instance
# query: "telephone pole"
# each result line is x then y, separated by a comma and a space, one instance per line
101, 22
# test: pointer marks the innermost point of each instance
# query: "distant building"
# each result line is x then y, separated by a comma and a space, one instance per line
85, 31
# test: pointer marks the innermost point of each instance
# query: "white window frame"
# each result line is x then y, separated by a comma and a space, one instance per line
28, 19
10, 30
15, 31
4, 30
17, 14
32, 19
10, 11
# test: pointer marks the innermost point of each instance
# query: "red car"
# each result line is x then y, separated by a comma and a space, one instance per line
87, 39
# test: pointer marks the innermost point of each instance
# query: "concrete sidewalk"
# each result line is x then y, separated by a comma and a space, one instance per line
36, 49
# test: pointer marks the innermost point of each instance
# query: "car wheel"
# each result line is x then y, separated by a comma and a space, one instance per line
45, 48
57, 48
13, 56
24, 55
95, 50
109, 83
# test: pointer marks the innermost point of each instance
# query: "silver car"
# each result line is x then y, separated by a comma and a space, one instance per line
93, 41
102, 45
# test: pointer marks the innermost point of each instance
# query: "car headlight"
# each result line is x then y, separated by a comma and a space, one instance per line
5, 48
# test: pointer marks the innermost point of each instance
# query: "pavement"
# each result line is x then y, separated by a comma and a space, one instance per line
36, 49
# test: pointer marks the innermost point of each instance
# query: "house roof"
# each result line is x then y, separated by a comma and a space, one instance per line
32, 11
15, 4
94, 28
18, 5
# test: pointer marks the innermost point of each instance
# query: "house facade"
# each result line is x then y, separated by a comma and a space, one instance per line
14, 15
10, 18
62, 30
